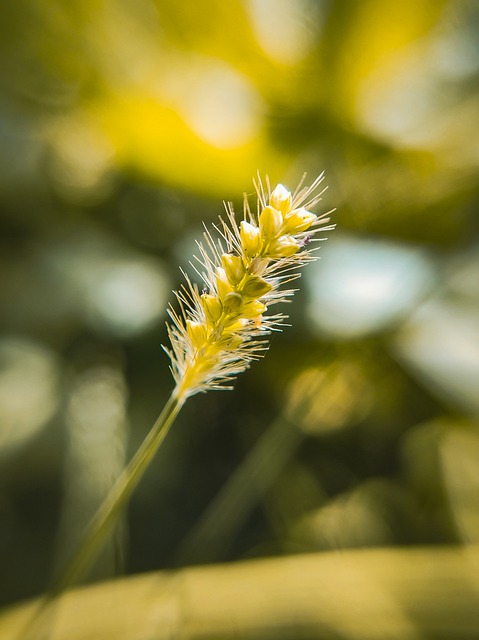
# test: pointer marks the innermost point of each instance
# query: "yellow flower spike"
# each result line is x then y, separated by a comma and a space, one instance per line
197, 333
243, 270
283, 247
255, 287
233, 267
250, 239
270, 222
281, 199
298, 220
212, 307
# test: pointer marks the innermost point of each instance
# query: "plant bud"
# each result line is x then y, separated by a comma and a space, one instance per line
234, 268
237, 324
270, 222
212, 306
233, 302
298, 220
250, 238
283, 247
255, 287
280, 199
230, 341
222, 284
197, 333
253, 309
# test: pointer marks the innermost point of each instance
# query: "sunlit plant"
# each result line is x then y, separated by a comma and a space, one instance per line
220, 325
218, 331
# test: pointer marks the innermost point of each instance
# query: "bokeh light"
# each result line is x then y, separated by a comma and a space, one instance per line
361, 286
28, 370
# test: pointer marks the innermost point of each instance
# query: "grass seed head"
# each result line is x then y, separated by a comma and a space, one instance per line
244, 269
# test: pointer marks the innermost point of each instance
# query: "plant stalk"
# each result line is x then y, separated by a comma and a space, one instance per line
104, 520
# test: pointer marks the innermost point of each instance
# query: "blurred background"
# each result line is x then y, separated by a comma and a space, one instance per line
123, 126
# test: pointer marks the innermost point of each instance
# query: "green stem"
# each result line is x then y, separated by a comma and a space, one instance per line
104, 520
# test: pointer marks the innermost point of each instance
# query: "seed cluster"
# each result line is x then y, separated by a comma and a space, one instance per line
214, 336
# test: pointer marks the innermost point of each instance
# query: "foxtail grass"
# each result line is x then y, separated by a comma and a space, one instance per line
220, 325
